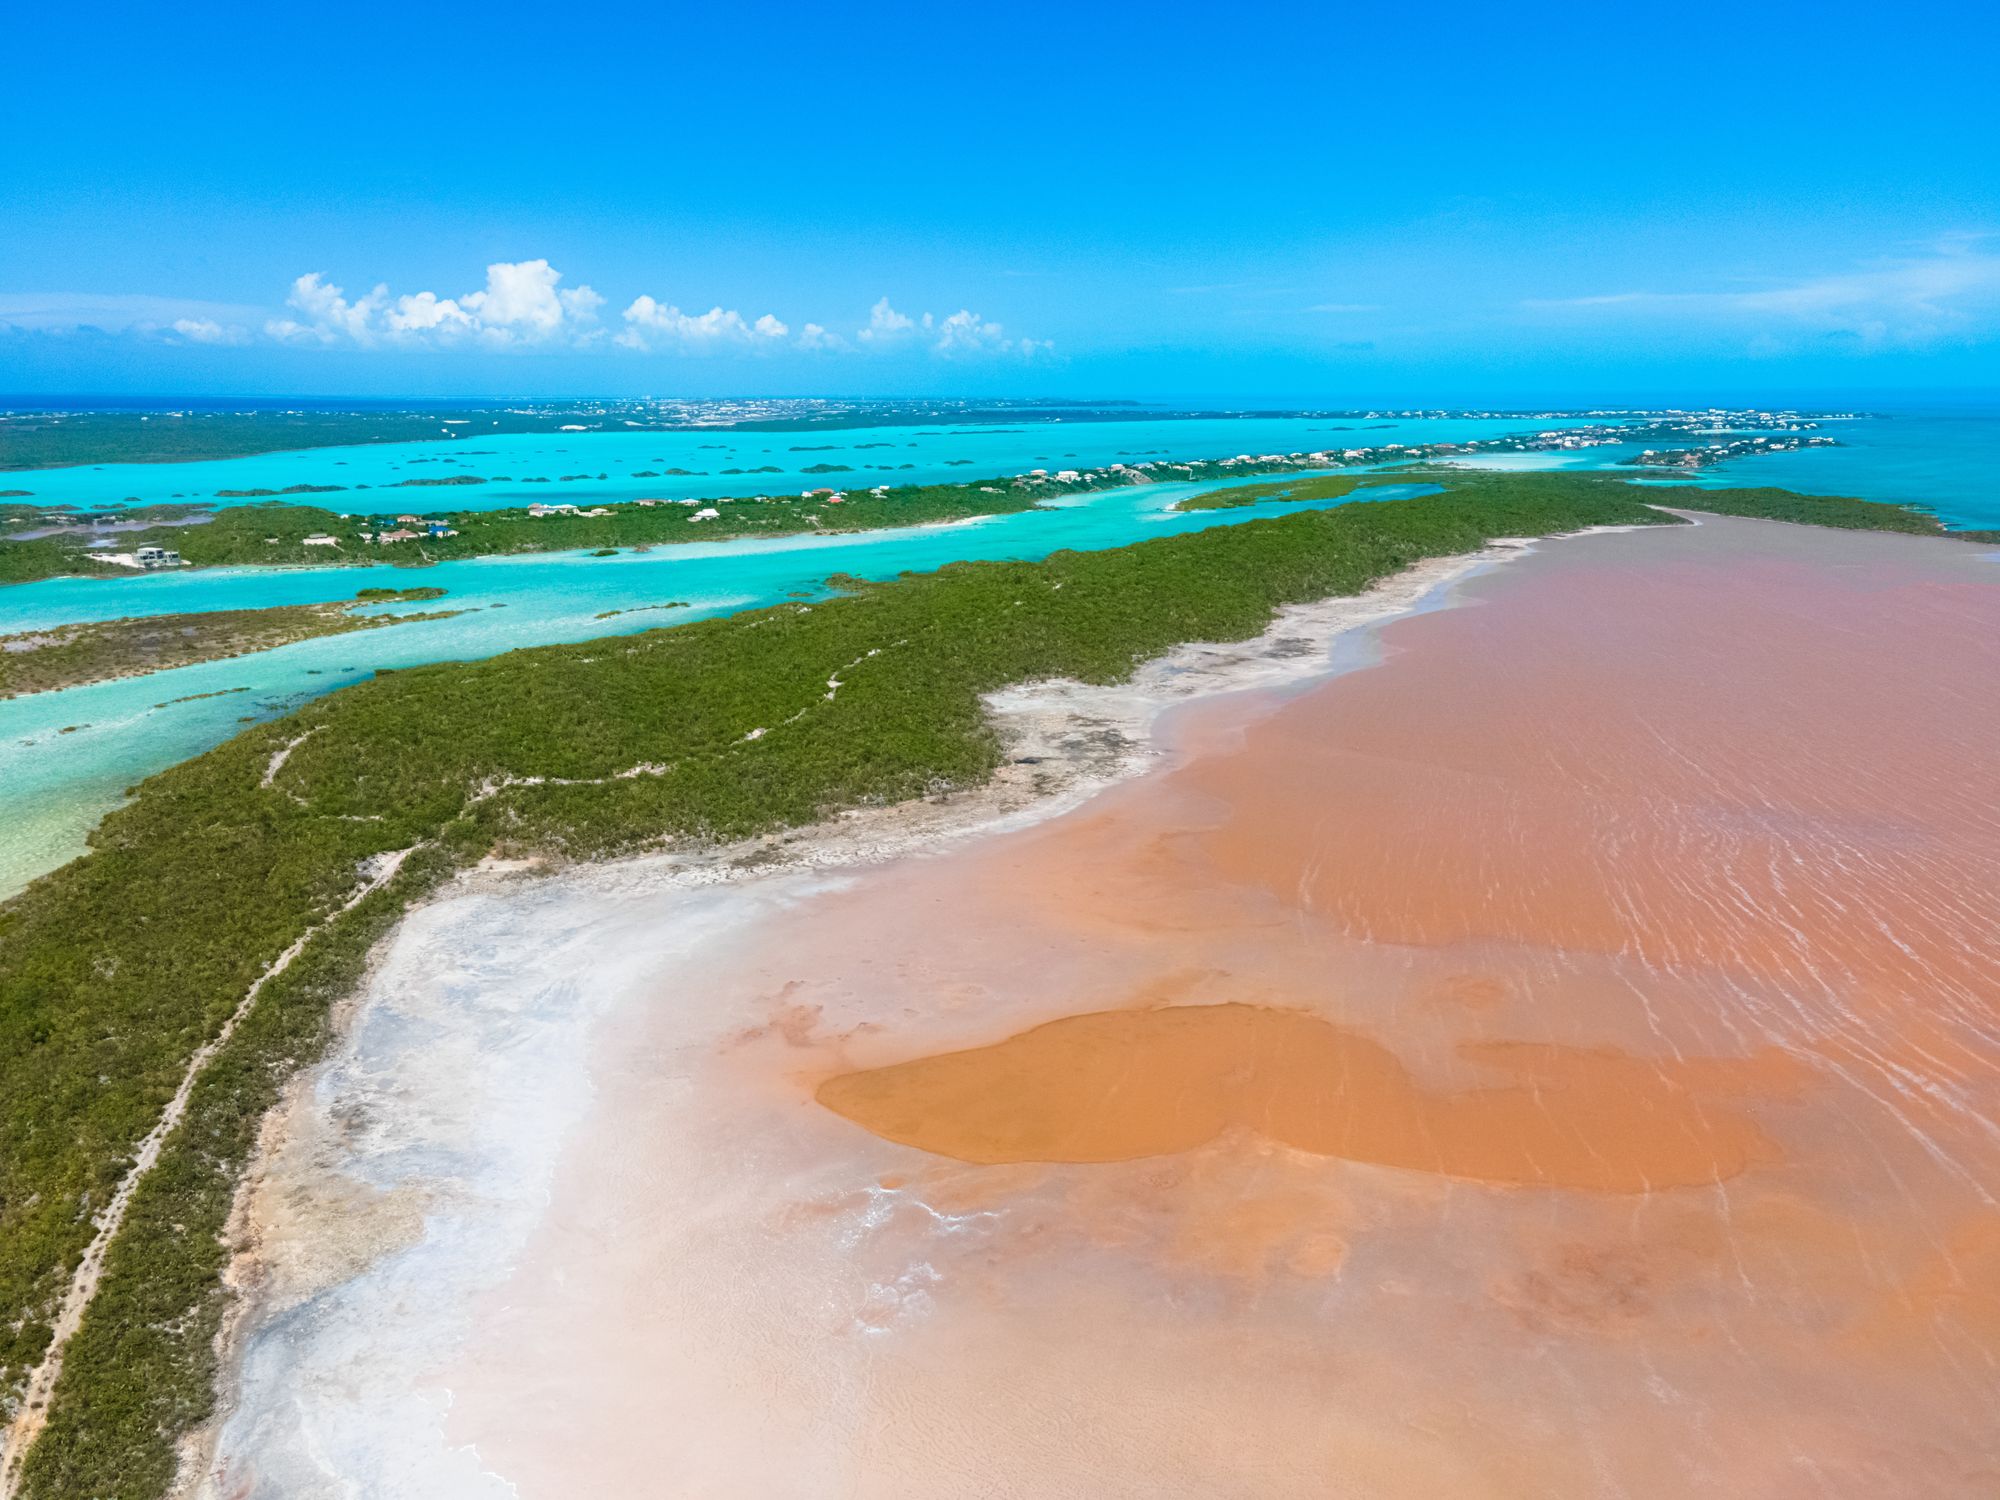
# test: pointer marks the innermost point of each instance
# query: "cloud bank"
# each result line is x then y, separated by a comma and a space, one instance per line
958, 334
652, 325
1938, 293
523, 305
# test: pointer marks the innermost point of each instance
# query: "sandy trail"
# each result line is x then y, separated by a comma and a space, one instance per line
1563, 1059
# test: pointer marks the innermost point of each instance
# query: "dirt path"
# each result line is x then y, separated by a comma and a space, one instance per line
33, 1413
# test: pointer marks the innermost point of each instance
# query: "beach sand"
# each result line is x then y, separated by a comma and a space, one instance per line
1562, 1059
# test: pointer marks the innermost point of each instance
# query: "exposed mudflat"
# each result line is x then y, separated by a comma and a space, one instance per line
1561, 1059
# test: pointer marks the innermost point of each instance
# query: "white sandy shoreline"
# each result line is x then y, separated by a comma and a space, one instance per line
400, 1177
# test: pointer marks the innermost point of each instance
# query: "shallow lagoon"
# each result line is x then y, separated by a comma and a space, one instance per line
773, 462
54, 786
66, 757
1948, 461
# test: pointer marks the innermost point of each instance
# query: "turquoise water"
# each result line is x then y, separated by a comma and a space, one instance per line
55, 785
66, 757
863, 456
1949, 461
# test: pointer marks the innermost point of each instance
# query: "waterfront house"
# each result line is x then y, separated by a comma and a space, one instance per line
321, 539
400, 534
157, 557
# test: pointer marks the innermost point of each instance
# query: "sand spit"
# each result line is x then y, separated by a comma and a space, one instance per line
1563, 1061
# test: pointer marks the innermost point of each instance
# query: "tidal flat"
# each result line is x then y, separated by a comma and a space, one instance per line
1546, 1045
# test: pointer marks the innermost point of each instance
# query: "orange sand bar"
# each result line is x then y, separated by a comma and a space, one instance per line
1121, 1084
1563, 1060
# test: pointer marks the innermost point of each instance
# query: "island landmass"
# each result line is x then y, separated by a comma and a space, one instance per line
64, 656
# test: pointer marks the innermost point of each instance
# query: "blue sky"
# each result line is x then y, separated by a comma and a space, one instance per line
1457, 203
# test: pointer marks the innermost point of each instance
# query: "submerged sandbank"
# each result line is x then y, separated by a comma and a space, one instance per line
1118, 1085
1562, 1060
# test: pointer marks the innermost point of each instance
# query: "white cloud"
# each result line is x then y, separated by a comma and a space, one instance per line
654, 325
521, 303
813, 336
960, 335
965, 333
651, 324
521, 300
330, 316
1952, 290
208, 331
885, 323
426, 312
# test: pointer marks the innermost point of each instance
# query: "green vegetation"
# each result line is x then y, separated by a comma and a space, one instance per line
1758, 503
640, 609
27, 561
237, 536
232, 536
114, 969
1808, 510
275, 534
70, 655
290, 489
142, 1369
1315, 487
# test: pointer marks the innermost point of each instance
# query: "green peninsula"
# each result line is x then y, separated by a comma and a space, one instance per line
70, 655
